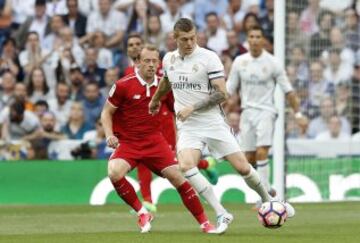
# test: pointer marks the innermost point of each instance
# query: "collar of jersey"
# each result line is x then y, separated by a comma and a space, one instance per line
143, 82
195, 50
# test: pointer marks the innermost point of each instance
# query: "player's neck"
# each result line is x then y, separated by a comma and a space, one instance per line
148, 80
256, 53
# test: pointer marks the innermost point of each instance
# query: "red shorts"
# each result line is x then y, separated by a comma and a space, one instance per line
153, 152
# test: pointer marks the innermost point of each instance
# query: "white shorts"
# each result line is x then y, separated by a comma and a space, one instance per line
219, 140
257, 128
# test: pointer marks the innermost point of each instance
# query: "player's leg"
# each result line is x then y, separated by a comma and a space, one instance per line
145, 178
263, 167
189, 197
117, 169
188, 159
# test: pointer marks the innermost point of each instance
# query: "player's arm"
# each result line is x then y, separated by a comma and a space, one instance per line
217, 97
162, 90
106, 119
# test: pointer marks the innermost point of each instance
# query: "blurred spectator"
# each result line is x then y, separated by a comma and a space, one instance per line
139, 12
40, 107
92, 71
70, 43
319, 87
171, 15
108, 20
37, 88
267, 20
53, 38
320, 41
227, 62
298, 60
320, 123
342, 100
337, 42
308, 18
5, 19
154, 6
97, 141
234, 47
111, 76
93, 103
188, 8
56, 7
202, 40
154, 33
76, 126
20, 94
333, 131
337, 71
170, 42
74, 19
7, 86
9, 58
355, 98
61, 104
21, 10
203, 7
335, 6
77, 82
43, 136
38, 23
216, 35
294, 35
17, 123
105, 57
352, 29
234, 16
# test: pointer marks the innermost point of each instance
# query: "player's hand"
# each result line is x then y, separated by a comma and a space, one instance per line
154, 107
112, 142
302, 122
185, 113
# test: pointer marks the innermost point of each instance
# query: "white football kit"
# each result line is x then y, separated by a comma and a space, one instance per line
256, 79
190, 79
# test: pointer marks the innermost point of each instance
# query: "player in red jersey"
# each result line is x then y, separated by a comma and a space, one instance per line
134, 45
136, 137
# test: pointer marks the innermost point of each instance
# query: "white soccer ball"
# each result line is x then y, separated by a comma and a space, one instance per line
272, 214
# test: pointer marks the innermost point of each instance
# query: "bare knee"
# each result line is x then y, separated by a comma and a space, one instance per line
188, 159
251, 157
240, 163
117, 169
173, 175
186, 165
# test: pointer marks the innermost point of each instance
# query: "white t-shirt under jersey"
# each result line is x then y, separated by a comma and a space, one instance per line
256, 78
190, 79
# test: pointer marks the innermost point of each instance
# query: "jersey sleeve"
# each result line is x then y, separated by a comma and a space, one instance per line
281, 78
234, 79
116, 95
215, 67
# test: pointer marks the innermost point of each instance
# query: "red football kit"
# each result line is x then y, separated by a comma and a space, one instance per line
139, 133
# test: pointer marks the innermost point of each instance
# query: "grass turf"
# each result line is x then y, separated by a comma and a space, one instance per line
329, 222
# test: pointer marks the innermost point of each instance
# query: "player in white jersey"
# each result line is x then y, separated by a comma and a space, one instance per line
255, 75
196, 77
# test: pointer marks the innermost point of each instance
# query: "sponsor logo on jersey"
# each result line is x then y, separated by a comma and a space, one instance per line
112, 90
195, 68
137, 97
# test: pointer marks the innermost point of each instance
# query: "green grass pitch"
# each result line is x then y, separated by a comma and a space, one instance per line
327, 222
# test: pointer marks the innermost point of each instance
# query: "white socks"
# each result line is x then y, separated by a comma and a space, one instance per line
263, 169
203, 187
254, 182
142, 211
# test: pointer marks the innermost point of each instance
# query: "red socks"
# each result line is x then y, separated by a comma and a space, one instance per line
144, 177
192, 202
203, 164
126, 191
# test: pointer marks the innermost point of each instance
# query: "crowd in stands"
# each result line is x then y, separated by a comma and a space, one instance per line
59, 59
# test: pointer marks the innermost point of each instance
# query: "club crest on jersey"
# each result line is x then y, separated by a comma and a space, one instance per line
137, 97
264, 69
171, 68
244, 63
172, 59
195, 68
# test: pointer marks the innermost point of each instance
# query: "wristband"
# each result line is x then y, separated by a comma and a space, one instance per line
298, 114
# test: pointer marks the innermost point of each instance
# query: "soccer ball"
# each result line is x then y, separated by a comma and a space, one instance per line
272, 214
